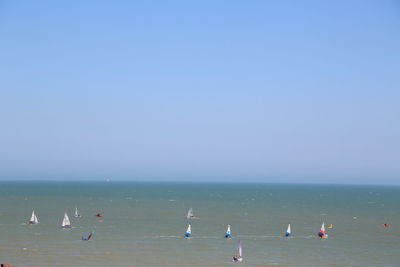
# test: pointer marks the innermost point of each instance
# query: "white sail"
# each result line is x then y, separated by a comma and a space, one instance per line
34, 219
240, 249
288, 229
323, 227
239, 257
228, 231
66, 223
190, 214
76, 212
189, 230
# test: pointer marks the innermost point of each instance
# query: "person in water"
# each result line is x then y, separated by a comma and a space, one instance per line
386, 225
235, 258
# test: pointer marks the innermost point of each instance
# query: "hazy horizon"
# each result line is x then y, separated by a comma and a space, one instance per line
262, 91
203, 181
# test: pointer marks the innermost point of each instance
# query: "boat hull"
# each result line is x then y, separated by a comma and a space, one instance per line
322, 235
240, 259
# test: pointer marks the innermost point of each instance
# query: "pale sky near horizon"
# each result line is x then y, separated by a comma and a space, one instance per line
270, 91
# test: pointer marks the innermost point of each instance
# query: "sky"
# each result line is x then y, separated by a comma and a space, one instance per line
235, 91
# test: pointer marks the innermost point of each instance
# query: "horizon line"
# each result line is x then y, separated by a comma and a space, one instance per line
192, 182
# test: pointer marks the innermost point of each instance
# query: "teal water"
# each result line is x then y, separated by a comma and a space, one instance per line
143, 224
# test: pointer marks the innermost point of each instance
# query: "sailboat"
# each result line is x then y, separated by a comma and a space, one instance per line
322, 233
288, 231
66, 224
228, 232
77, 215
34, 219
188, 233
88, 237
190, 214
239, 257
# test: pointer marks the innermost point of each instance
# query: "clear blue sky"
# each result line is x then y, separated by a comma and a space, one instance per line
274, 91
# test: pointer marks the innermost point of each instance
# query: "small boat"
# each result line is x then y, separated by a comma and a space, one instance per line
33, 219
188, 233
66, 224
239, 257
288, 231
77, 215
322, 233
190, 214
98, 215
386, 225
228, 232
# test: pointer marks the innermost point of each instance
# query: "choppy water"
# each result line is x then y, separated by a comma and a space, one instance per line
143, 224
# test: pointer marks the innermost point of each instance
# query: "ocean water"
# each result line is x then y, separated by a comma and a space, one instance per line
143, 224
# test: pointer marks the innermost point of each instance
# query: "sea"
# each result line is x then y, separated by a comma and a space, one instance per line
144, 223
